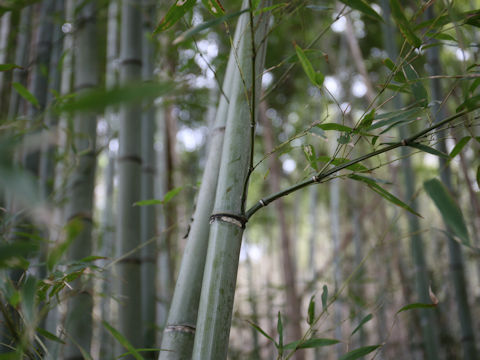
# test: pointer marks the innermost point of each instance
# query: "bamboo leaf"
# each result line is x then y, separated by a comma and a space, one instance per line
334, 126
358, 353
366, 121
7, 67
404, 24
429, 150
28, 299
470, 103
174, 14
339, 161
459, 146
382, 192
269, 8
416, 306
324, 297
122, 340
395, 117
168, 196
214, 6
311, 311
310, 343
99, 99
261, 331
48, 335
308, 68
418, 90
280, 331
206, 25
450, 211
27, 95
363, 7
362, 322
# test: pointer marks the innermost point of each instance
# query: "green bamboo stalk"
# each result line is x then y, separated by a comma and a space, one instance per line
46, 172
427, 317
148, 213
21, 59
5, 24
81, 183
228, 218
457, 269
179, 333
107, 304
53, 316
129, 169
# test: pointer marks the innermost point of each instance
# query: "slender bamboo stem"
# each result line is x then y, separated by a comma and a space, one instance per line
81, 184
320, 177
129, 168
218, 287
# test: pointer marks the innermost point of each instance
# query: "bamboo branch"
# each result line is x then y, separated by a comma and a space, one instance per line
323, 175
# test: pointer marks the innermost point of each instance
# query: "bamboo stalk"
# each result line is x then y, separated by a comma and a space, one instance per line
129, 169
182, 317
228, 220
81, 184
148, 213
457, 270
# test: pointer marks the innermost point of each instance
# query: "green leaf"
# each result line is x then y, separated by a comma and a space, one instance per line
358, 353
310, 343
403, 24
269, 8
363, 7
174, 14
428, 149
168, 196
416, 306
214, 7
334, 126
418, 90
311, 311
27, 95
366, 121
122, 340
450, 211
307, 67
340, 161
309, 152
470, 103
382, 192
261, 331
362, 322
99, 99
389, 64
280, 331
48, 335
394, 118
206, 25
7, 67
324, 297
15, 252
459, 146
28, 300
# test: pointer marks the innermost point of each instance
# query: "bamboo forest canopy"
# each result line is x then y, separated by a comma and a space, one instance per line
260, 180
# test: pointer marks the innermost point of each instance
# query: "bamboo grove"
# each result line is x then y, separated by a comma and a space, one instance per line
256, 180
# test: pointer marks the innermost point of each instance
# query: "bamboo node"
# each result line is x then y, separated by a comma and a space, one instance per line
233, 219
315, 178
180, 328
404, 142
262, 202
